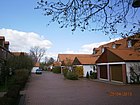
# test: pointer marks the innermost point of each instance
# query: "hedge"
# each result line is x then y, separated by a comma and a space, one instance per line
12, 96
19, 80
56, 69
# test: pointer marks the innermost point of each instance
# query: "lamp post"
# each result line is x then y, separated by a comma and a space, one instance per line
136, 4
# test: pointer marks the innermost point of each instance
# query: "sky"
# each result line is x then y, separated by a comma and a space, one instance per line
24, 27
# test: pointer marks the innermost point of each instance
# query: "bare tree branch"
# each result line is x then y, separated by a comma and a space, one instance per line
109, 16
37, 53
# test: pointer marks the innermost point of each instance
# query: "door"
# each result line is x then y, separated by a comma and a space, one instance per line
103, 72
116, 73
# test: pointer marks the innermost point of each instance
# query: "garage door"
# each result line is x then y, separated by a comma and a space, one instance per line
103, 71
116, 73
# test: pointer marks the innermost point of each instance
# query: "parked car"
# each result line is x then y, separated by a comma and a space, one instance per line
34, 70
38, 71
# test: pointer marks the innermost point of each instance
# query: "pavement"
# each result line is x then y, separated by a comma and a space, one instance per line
53, 89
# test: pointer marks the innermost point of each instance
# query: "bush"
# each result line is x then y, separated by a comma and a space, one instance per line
11, 97
79, 71
87, 75
7, 101
93, 75
65, 71
72, 75
13, 92
20, 62
56, 69
21, 77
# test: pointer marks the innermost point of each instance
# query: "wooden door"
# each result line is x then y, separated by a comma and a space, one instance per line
103, 72
116, 73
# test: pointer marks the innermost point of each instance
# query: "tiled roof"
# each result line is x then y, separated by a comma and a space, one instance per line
37, 64
63, 57
121, 50
19, 53
86, 60
122, 44
57, 63
67, 59
127, 54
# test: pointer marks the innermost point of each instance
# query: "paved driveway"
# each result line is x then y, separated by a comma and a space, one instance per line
53, 89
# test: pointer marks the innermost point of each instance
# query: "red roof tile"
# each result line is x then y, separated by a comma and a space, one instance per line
127, 54
19, 53
57, 63
37, 64
63, 57
67, 59
86, 60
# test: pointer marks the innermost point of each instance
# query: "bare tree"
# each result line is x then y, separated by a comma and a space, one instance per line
37, 53
50, 61
109, 16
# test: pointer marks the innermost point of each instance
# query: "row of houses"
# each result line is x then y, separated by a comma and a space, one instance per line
117, 61
4, 49
4, 54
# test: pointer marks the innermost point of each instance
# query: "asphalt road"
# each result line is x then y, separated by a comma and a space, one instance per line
53, 89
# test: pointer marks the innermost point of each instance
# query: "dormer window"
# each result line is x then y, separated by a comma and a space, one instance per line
94, 51
129, 43
114, 46
103, 49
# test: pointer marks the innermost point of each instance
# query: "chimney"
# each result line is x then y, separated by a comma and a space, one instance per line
6, 45
2, 39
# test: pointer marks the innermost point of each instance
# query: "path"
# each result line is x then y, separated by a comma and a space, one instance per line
53, 89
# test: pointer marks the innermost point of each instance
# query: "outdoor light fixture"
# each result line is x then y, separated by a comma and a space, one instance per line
136, 4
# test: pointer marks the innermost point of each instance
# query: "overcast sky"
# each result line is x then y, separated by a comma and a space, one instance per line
26, 27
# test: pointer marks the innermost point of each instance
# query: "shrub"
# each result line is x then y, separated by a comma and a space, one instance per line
79, 71
20, 62
87, 75
93, 75
56, 69
65, 71
72, 75
12, 96
21, 77
7, 101
13, 91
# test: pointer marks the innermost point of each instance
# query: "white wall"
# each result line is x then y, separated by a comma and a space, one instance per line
87, 68
136, 66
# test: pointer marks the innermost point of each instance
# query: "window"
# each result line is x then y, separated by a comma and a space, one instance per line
94, 51
103, 49
114, 46
129, 43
